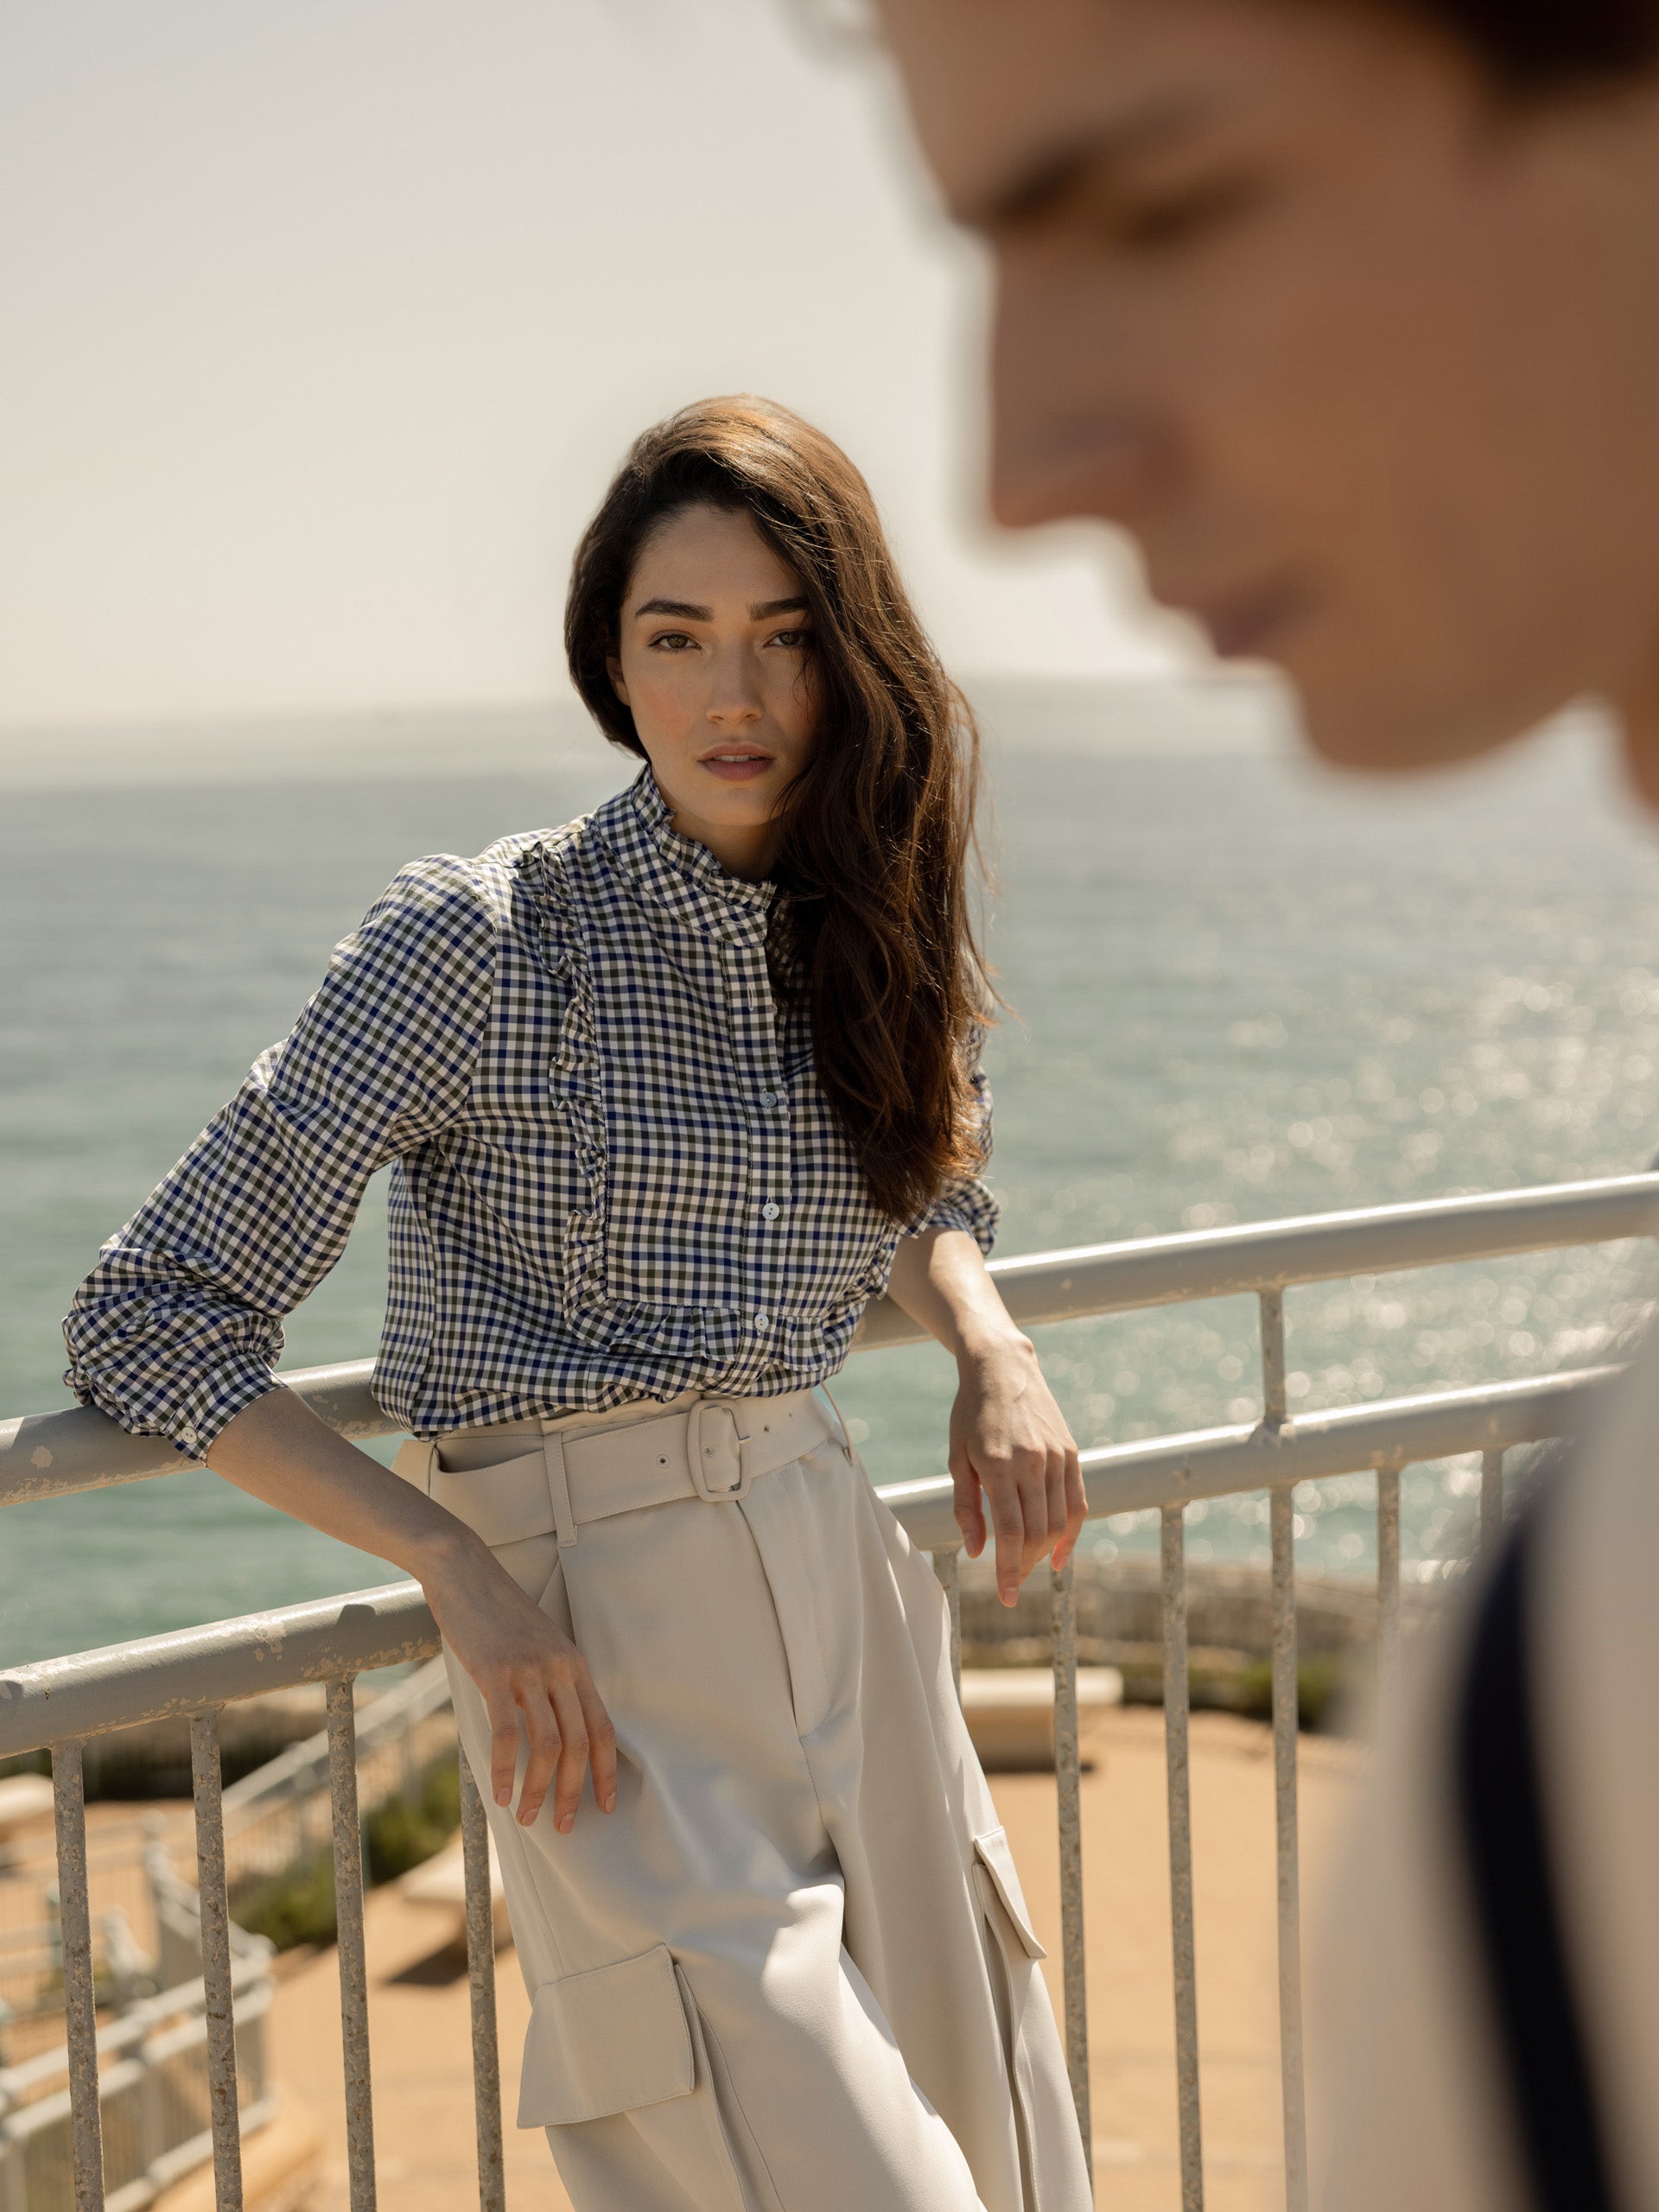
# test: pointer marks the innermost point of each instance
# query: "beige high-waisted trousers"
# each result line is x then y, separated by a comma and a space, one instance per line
793, 1971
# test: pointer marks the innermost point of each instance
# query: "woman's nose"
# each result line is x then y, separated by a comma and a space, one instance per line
735, 694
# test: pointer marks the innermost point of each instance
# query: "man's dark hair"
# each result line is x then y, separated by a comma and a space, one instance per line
1540, 46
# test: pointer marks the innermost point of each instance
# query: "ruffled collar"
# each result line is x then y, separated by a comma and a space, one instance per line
638, 829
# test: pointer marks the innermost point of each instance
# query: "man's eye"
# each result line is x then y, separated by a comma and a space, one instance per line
1177, 218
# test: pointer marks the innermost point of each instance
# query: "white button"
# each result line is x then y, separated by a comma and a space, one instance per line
769, 1212
763, 1321
768, 1098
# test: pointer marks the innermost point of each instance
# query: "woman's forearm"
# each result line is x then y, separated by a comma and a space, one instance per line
279, 1450
940, 1279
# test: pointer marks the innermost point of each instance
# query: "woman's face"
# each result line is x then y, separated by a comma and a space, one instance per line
715, 661
1368, 366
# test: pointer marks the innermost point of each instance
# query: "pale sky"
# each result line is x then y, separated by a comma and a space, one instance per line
322, 323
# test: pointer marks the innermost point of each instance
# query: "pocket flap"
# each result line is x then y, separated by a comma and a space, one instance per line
997, 1860
606, 2041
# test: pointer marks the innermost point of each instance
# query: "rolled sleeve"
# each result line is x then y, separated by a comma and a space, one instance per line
178, 1326
967, 1201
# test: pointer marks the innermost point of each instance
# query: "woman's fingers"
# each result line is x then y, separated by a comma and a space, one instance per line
967, 1506
601, 1741
503, 1736
556, 1709
546, 1750
1038, 1507
573, 1753
1077, 1507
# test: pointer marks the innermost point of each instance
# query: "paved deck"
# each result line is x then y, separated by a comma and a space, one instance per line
419, 2005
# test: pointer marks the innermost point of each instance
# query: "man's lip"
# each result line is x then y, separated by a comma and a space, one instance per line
1246, 624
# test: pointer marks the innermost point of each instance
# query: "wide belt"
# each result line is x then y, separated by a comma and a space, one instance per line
712, 1451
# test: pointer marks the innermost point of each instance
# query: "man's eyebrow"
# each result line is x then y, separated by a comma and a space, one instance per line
1034, 188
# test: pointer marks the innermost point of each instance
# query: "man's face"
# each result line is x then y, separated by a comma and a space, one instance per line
1368, 364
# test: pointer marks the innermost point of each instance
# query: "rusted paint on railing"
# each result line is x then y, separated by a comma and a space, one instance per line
1345, 1441
1068, 1777
1254, 1256
1491, 1498
947, 1566
55, 1454
350, 1949
480, 1979
206, 1780
158, 1677
1388, 1577
79, 2004
1176, 1701
1285, 1720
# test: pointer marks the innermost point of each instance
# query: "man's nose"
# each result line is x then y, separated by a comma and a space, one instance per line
1068, 439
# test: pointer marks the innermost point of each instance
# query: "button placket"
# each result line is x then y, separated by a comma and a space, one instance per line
756, 1057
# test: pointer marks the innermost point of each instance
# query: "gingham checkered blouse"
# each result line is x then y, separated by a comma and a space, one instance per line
614, 1171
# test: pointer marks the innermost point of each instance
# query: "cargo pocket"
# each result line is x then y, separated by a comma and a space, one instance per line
996, 1873
627, 2041
1012, 1952
607, 2042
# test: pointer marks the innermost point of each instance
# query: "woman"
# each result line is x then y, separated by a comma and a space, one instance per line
670, 1094
1350, 313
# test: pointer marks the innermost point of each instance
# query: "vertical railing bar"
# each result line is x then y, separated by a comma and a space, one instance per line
79, 2002
947, 1566
1285, 1720
1180, 1856
1274, 1404
1491, 1498
1388, 1577
206, 1782
1068, 1776
480, 1976
353, 1967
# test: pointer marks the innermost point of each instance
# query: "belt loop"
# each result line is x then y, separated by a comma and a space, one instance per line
558, 1487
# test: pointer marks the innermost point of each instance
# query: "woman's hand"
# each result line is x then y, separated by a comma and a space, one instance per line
1008, 1438
1009, 1442
526, 1670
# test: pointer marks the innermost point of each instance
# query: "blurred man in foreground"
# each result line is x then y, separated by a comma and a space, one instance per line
1349, 313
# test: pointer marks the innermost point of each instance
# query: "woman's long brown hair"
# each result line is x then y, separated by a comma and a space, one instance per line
875, 930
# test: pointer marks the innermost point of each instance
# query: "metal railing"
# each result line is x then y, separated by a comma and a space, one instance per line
153, 2088
62, 1702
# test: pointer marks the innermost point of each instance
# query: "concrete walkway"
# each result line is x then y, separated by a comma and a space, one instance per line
422, 2086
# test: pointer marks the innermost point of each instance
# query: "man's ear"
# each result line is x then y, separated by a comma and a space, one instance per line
614, 670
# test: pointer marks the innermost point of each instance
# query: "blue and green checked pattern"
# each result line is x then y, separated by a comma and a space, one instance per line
614, 1171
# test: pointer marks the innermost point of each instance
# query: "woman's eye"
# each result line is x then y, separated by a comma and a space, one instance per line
671, 641
791, 639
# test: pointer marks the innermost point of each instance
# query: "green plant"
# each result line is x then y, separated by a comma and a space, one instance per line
296, 1906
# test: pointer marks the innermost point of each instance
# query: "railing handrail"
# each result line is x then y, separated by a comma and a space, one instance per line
188, 1670
58, 1454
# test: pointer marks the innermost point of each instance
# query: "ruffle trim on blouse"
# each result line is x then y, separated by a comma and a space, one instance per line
573, 1075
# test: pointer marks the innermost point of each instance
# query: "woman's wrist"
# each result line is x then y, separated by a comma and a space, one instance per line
985, 1343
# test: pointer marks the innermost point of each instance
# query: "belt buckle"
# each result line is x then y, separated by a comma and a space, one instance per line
715, 1455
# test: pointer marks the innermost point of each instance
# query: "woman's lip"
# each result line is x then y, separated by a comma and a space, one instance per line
742, 770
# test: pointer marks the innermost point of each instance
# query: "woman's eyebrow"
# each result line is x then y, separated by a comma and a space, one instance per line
683, 608
1033, 187
761, 611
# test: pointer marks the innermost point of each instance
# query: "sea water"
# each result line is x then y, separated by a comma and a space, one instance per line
1237, 987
